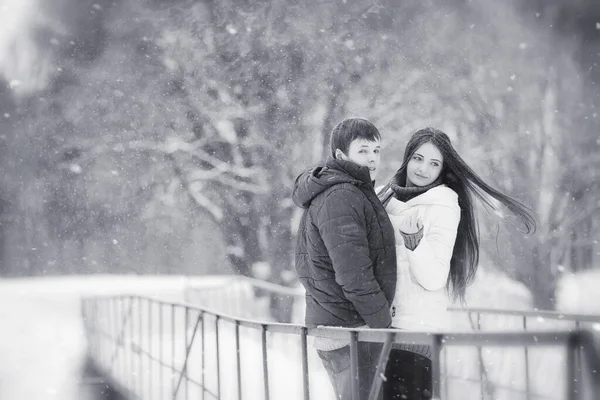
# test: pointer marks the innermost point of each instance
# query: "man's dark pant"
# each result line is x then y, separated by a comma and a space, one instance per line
337, 364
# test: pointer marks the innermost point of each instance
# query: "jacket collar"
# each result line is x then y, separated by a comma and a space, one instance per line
440, 195
355, 171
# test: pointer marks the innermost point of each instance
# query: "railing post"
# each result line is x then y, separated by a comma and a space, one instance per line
85, 320
305, 378
381, 366
150, 362
140, 358
173, 369
265, 361
202, 350
436, 367
109, 325
573, 387
481, 365
238, 359
122, 365
131, 346
578, 361
218, 357
161, 354
590, 351
446, 374
187, 344
96, 333
354, 376
526, 351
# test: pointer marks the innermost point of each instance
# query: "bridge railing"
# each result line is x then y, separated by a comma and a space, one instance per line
165, 350
489, 372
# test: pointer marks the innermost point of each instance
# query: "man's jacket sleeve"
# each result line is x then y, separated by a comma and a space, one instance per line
342, 224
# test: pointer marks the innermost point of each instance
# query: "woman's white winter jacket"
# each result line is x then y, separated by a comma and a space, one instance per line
421, 299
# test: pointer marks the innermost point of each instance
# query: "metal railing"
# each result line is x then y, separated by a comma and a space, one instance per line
232, 295
165, 350
486, 319
235, 296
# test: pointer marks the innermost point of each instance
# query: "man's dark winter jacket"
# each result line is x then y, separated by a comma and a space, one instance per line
345, 253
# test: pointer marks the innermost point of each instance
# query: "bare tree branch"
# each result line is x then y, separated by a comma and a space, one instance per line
205, 202
572, 223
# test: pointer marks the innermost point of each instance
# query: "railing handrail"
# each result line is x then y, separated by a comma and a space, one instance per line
379, 335
260, 284
529, 313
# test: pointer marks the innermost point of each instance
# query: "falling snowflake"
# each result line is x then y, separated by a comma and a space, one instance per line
232, 29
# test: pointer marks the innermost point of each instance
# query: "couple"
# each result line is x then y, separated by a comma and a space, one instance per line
388, 257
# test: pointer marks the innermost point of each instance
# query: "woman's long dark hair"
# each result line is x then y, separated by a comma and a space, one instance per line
457, 175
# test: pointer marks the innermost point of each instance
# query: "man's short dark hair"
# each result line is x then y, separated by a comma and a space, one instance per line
349, 130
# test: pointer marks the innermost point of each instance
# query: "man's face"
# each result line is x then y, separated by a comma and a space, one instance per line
364, 153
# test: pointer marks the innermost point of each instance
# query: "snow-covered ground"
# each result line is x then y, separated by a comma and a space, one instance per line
42, 340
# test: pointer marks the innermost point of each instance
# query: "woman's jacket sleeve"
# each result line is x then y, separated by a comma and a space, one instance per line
430, 260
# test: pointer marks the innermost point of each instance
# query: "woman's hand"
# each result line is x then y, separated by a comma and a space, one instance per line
410, 224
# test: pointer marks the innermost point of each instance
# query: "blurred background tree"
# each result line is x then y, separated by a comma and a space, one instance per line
164, 137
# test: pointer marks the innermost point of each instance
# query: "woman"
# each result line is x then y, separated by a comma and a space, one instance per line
430, 204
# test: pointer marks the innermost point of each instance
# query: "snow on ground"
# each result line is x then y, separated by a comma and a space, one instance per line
578, 293
42, 342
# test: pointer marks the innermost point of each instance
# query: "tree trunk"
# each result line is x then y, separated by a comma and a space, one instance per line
543, 282
241, 229
281, 259
331, 116
3, 224
82, 263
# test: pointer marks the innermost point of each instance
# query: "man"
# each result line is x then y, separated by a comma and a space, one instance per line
345, 253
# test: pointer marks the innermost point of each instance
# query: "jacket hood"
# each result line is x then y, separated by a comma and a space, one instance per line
315, 181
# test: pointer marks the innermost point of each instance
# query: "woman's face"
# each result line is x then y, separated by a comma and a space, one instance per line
425, 165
